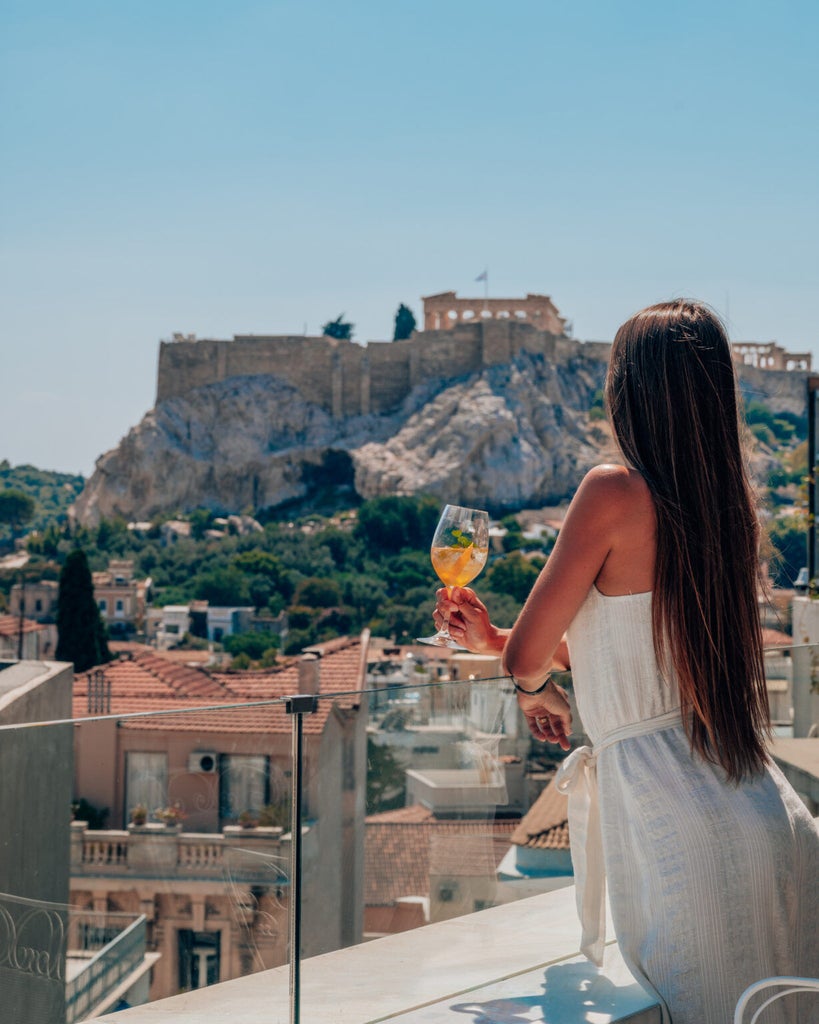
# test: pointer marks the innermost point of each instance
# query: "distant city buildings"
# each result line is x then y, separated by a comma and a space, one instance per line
215, 893
121, 598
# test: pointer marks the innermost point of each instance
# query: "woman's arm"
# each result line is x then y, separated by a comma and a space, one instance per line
536, 645
468, 622
537, 639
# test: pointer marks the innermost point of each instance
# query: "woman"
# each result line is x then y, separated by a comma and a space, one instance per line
650, 594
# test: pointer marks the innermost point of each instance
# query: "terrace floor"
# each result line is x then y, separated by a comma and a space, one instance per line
508, 965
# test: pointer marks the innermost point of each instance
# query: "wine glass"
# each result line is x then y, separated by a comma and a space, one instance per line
459, 550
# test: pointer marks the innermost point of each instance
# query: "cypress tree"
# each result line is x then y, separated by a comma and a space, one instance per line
404, 323
80, 630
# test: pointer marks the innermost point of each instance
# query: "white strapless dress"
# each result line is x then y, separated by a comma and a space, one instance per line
712, 886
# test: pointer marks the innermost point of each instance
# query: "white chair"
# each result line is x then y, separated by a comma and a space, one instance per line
793, 985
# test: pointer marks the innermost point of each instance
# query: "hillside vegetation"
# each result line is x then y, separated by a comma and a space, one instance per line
52, 492
367, 567
333, 575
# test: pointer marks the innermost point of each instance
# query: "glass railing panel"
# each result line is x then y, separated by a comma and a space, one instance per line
203, 843
459, 814
173, 873
424, 799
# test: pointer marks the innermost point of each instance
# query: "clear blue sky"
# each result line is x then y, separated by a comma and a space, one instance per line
222, 168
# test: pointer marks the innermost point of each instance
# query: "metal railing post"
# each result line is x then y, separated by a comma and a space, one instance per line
813, 387
298, 706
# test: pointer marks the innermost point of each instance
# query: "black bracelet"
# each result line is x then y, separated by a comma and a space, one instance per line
531, 693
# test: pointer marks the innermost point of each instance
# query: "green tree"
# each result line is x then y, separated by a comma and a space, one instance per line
514, 575
317, 593
298, 639
513, 539
254, 645
404, 622
259, 563
301, 616
200, 520
338, 544
404, 323
80, 629
112, 535
261, 591
46, 543
223, 587
16, 508
388, 524
338, 328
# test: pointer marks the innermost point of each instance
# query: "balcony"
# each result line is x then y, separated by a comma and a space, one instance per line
414, 890
157, 851
106, 961
518, 962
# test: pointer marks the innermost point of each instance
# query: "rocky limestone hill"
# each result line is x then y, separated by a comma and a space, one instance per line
506, 437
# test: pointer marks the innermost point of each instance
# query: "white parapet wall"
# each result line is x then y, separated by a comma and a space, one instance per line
519, 960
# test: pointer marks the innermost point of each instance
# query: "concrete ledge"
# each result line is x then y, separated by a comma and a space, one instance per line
522, 956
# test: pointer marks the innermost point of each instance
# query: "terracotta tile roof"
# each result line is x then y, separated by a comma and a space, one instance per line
775, 638
545, 825
413, 813
467, 855
10, 626
399, 855
146, 681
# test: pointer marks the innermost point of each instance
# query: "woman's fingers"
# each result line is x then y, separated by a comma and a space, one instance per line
548, 727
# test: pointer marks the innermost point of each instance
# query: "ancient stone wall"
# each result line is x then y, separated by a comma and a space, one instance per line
347, 379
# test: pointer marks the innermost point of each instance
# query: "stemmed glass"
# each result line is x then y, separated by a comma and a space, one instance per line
459, 550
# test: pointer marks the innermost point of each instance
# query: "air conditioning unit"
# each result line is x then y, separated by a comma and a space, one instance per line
447, 892
203, 761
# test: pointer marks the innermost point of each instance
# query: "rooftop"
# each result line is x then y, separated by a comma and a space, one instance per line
145, 681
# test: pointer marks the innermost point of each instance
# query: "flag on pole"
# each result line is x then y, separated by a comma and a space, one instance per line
483, 277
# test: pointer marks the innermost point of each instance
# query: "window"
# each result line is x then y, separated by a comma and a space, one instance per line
146, 780
244, 784
38, 605
103, 605
119, 607
198, 958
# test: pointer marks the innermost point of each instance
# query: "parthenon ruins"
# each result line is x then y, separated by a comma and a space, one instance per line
446, 310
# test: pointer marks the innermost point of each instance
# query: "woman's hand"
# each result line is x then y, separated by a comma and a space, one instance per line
468, 621
548, 714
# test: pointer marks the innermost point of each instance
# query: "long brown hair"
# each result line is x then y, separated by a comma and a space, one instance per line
672, 397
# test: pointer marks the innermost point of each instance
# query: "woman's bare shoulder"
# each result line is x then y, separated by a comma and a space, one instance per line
619, 485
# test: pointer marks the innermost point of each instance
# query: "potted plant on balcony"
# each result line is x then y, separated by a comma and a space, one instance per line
247, 819
139, 815
170, 816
